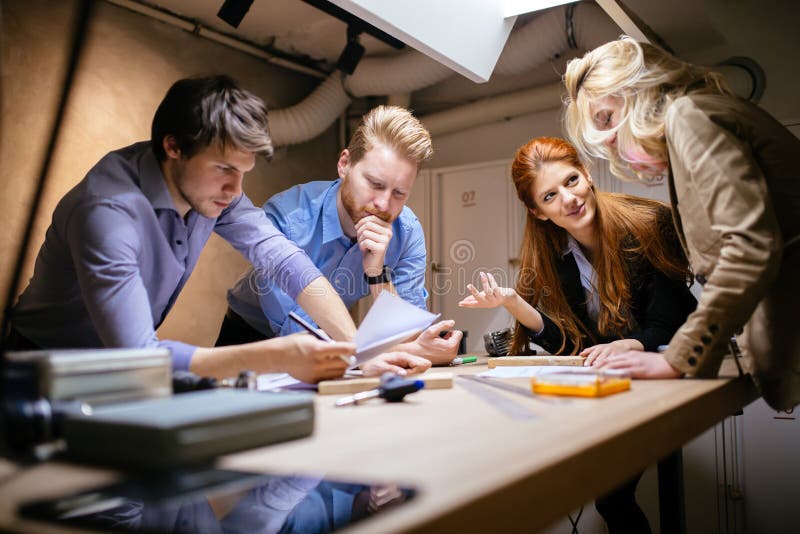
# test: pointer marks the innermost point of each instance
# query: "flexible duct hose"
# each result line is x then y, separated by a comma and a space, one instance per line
543, 38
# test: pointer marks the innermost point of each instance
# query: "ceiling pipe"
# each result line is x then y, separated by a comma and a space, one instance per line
548, 35
745, 77
402, 100
493, 109
309, 118
213, 35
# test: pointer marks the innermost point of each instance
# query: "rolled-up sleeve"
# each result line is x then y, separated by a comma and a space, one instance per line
271, 253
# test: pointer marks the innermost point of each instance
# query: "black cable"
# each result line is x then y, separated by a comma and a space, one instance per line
570, 28
78, 39
574, 522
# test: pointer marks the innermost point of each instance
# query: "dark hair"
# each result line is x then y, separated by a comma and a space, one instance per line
201, 111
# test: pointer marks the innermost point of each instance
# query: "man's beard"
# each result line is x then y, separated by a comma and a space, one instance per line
356, 213
205, 207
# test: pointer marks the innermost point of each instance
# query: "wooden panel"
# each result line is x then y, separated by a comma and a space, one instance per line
574, 361
354, 385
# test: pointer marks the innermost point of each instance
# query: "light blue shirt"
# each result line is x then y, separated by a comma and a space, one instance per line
117, 255
307, 214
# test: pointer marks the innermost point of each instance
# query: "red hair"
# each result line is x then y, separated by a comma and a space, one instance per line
639, 226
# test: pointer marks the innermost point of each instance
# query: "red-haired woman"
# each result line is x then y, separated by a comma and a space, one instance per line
601, 273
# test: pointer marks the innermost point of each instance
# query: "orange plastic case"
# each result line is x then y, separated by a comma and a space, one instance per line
583, 383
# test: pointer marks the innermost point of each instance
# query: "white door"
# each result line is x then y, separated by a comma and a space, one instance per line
476, 225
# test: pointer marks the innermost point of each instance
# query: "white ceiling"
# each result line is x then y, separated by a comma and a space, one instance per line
298, 28
689, 27
291, 26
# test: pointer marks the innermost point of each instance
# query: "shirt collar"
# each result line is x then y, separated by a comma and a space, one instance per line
572, 246
331, 225
153, 183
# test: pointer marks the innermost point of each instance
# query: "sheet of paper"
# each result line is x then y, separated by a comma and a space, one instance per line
389, 321
524, 371
272, 381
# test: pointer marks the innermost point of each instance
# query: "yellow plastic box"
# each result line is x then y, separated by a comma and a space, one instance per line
580, 383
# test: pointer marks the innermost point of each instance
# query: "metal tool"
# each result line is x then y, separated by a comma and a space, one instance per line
498, 343
246, 380
393, 388
185, 381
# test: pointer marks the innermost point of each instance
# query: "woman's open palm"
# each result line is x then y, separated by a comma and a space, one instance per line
492, 295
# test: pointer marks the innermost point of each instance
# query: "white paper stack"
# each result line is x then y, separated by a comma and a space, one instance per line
390, 321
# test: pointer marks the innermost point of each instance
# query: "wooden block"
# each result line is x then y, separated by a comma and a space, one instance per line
439, 380
575, 361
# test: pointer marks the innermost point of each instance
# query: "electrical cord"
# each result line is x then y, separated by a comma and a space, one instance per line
574, 522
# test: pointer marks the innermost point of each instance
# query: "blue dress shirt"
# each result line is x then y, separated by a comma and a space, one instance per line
307, 214
117, 255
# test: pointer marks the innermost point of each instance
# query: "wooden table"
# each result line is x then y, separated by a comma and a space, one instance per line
473, 466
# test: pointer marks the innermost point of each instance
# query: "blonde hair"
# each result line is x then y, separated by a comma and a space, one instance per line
393, 127
648, 80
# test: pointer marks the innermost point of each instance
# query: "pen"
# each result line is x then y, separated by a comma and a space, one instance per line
465, 359
319, 334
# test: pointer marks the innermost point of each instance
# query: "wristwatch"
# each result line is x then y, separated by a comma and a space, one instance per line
382, 278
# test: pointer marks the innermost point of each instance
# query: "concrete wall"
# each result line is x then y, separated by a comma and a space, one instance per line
129, 63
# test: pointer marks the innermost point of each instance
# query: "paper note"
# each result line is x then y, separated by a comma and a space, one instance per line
271, 381
390, 320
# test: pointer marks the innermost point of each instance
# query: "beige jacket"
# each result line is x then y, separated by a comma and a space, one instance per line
735, 190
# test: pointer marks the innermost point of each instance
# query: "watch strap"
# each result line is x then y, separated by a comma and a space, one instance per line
382, 278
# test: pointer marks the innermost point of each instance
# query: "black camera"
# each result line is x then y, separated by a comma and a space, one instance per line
42, 388
115, 407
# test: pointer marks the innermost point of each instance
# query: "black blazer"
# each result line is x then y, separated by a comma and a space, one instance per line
659, 304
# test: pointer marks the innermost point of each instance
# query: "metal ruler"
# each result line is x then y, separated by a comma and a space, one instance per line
483, 390
519, 390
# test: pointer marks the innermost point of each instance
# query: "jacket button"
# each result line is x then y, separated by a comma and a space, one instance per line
713, 328
701, 279
692, 360
705, 339
698, 349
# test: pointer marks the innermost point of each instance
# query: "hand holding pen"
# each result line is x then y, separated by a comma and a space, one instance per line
321, 335
308, 359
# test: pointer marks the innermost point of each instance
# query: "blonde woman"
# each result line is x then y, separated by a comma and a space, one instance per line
732, 175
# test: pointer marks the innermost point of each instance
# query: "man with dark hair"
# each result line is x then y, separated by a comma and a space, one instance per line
124, 241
